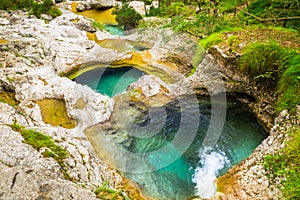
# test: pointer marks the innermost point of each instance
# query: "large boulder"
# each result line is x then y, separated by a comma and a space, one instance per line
138, 6
100, 4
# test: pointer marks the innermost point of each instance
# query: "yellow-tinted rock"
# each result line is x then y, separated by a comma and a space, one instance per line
80, 104
3, 41
9, 98
54, 112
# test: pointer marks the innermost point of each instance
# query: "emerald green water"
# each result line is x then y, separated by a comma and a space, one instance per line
109, 81
198, 166
150, 145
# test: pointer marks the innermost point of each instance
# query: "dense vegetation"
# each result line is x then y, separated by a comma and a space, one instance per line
34, 8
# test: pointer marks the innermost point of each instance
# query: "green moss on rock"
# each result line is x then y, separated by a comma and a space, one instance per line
39, 140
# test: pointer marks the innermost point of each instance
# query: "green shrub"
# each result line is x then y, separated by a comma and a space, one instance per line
230, 4
153, 12
127, 17
39, 8
264, 58
289, 86
55, 12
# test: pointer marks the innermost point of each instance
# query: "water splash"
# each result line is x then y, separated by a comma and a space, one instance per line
211, 162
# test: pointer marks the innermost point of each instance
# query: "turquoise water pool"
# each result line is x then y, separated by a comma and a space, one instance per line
109, 81
114, 29
162, 150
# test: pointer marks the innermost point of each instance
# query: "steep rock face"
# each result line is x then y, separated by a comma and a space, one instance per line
248, 180
257, 96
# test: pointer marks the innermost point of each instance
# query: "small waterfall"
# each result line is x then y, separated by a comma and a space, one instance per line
211, 162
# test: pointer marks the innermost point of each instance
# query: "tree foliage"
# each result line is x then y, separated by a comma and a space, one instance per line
126, 16
277, 9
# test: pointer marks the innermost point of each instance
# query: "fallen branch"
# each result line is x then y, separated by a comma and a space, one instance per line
268, 19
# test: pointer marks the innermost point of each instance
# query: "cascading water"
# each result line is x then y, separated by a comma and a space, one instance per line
211, 162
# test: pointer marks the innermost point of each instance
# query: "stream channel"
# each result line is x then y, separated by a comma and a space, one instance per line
163, 149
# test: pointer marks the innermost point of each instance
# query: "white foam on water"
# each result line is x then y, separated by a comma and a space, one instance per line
211, 163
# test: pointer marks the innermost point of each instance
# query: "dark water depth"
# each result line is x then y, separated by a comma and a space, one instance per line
162, 148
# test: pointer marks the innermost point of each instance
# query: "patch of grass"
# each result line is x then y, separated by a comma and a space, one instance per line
97, 25
277, 66
39, 140
211, 40
106, 193
259, 58
289, 86
198, 58
232, 41
285, 165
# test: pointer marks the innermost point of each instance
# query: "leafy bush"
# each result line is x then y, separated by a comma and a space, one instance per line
55, 12
230, 4
126, 16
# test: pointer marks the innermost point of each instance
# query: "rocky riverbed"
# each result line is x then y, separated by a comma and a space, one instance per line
35, 52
